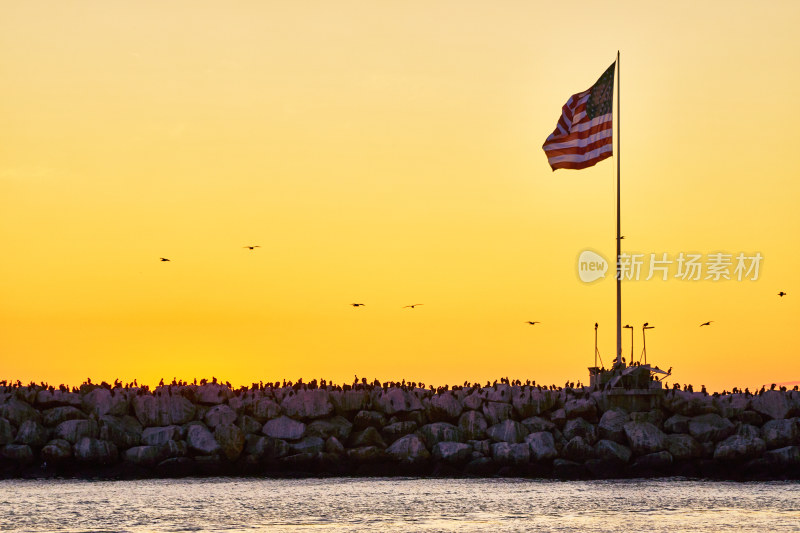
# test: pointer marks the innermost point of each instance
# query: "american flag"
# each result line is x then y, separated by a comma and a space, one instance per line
583, 134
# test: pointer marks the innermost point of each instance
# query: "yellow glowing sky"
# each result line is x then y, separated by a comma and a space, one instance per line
387, 153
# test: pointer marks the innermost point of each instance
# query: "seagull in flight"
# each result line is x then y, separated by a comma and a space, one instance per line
532, 322
164, 259
706, 323
252, 247
781, 294
412, 306
356, 305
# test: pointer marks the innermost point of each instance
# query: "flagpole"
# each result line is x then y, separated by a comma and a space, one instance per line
619, 238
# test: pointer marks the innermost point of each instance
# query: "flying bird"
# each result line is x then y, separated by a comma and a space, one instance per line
251, 247
164, 259
412, 306
781, 294
706, 323
356, 305
532, 322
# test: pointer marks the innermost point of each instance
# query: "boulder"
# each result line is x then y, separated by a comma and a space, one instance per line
147, 456
75, 430
655, 417
736, 448
397, 400
558, 417
578, 427
500, 393
683, 447
337, 426
392, 432
218, 415
56, 451
746, 430
101, 401
710, 428
162, 410
472, 401
57, 398
366, 437
312, 445
20, 454
452, 452
17, 412
248, 424
581, 407
542, 445
438, 432
644, 438
408, 450
56, 415
612, 451
505, 453
334, 446
230, 439
212, 394
612, 424
307, 404
531, 401
201, 441
689, 403
677, 424
535, 424
652, 461
157, 436
365, 419
366, 454
266, 447
95, 451
284, 428
349, 401
509, 431
496, 412
772, 404
7, 432
786, 457
125, 431
731, 405
750, 417
444, 407
30, 433
174, 448
577, 449
781, 432
473, 425
265, 409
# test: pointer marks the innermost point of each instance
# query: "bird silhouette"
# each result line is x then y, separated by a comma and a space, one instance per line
532, 322
356, 305
706, 323
628, 326
164, 259
781, 294
252, 247
646, 324
412, 306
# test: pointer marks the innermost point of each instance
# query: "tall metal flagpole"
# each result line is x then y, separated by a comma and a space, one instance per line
619, 239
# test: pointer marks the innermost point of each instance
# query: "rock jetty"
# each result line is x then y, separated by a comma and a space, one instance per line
499, 430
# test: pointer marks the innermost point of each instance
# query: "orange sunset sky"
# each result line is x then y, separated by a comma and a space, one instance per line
388, 153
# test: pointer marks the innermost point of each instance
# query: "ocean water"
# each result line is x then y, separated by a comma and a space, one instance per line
404, 504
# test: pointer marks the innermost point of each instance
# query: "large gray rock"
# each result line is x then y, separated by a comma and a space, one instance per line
444, 407
366, 454
452, 452
160, 435
780, 433
500, 393
542, 445
577, 449
496, 412
218, 415
101, 401
610, 450
147, 456
644, 438
710, 428
174, 448
612, 425
307, 404
683, 447
56, 415
95, 451
473, 425
20, 454
56, 398
438, 432
230, 439
772, 404
746, 430
535, 424
334, 446
31, 433
396, 400
732, 405
689, 403
786, 457
581, 407
248, 424
312, 445
392, 432
530, 401
677, 424
408, 450
578, 427
349, 401
266, 447
201, 441
337, 426
265, 409
56, 451
17, 412
162, 410
473, 401
506, 453
366, 437
737, 447
284, 428
509, 431
125, 431
652, 461
7, 432
75, 430
212, 394
365, 419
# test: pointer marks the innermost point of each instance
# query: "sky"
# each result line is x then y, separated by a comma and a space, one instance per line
389, 153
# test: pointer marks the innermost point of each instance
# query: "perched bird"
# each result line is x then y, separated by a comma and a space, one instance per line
646, 324
356, 305
706, 323
412, 306
251, 247
627, 326
532, 322
781, 294
164, 259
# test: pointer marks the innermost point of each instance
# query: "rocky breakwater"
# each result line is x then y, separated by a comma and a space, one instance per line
499, 430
